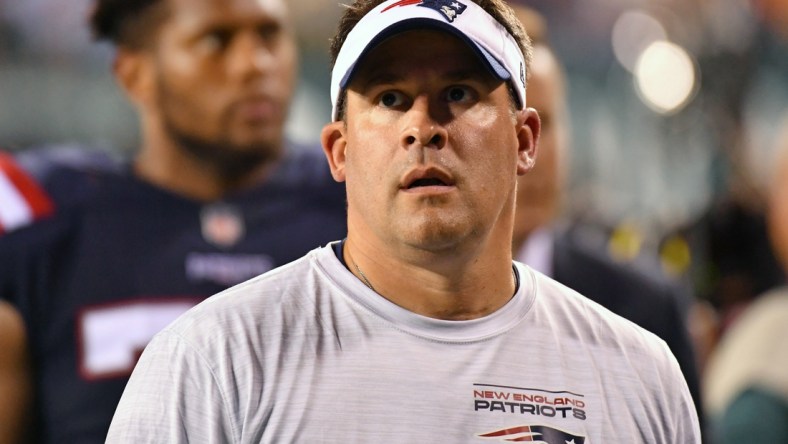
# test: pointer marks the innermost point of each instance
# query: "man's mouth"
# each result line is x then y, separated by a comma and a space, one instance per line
255, 108
426, 183
427, 177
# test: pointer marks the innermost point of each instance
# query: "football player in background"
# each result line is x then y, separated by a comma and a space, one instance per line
96, 256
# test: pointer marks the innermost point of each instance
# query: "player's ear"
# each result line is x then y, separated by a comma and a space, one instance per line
134, 72
334, 144
528, 128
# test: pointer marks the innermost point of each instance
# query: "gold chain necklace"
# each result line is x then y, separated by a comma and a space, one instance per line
364, 277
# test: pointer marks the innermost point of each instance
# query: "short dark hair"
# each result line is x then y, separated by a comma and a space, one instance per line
498, 9
126, 22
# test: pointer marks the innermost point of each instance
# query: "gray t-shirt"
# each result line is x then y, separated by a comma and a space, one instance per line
308, 354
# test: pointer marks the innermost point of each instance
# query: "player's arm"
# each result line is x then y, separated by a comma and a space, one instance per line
16, 393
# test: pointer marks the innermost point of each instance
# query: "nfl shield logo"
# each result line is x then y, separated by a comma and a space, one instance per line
222, 225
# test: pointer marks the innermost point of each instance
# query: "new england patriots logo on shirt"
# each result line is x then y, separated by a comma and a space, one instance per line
534, 433
448, 8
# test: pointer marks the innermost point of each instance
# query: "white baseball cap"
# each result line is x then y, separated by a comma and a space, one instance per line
495, 47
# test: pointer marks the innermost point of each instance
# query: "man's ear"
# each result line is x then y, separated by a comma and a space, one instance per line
528, 129
134, 71
334, 144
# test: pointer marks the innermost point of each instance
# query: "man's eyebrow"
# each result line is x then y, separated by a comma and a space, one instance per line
379, 78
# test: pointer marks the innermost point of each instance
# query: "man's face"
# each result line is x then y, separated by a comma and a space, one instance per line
225, 72
539, 191
431, 146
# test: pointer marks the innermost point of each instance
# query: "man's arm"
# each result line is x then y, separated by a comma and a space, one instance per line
16, 392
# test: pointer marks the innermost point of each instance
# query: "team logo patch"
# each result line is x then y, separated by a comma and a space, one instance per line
222, 225
450, 9
534, 433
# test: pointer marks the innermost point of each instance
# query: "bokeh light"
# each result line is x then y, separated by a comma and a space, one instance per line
632, 33
665, 77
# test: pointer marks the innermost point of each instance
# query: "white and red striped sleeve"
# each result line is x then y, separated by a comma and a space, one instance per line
22, 200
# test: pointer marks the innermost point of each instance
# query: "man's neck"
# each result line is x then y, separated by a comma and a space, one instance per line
172, 169
450, 285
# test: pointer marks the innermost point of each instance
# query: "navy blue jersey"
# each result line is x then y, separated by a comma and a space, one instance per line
119, 258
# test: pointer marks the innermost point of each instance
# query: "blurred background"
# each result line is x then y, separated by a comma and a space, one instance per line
674, 107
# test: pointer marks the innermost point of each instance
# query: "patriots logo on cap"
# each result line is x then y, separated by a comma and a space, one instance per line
536, 434
448, 8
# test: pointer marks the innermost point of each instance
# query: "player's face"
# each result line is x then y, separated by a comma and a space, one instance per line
432, 144
539, 191
225, 72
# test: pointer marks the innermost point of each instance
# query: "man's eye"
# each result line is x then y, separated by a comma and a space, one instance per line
216, 40
458, 94
391, 99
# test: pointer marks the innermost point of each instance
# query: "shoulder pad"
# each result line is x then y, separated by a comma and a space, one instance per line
34, 183
22, 200
43, 163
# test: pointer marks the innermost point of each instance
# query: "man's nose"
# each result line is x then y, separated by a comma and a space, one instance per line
421, 128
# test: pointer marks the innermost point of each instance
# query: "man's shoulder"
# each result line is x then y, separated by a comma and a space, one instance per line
42, 182
262, 303
612, 342
588, 319
256, 321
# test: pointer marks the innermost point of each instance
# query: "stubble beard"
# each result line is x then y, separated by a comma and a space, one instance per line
439, 233
229, 161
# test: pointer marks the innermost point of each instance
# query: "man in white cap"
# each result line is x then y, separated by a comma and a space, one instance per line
418, 327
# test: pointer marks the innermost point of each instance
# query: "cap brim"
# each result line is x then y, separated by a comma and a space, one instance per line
487, 59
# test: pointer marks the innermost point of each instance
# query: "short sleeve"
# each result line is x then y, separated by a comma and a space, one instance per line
172, 397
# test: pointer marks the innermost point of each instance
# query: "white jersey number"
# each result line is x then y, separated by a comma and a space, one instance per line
112, 337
